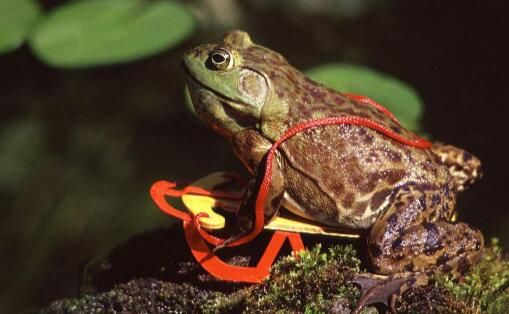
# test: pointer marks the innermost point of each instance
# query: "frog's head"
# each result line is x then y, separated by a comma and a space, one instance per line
229, 83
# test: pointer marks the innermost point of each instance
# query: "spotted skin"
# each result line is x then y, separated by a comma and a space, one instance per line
347, 176
463, 166
415, 234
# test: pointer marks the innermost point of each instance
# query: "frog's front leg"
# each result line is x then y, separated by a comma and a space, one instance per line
414, 238
245, 213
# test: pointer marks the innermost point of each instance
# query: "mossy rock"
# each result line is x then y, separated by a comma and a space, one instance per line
141, 276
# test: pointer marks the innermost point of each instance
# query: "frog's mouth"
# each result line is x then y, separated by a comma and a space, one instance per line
195, 85
198, 90
229, 104
206, 102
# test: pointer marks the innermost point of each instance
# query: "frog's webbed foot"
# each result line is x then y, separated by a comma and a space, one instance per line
244, 226
380, 290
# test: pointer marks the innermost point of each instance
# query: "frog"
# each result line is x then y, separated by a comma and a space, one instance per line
400, 198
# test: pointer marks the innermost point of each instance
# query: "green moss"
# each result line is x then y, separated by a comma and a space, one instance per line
309, 282
485, 289
316, 282
429, 299
224, 303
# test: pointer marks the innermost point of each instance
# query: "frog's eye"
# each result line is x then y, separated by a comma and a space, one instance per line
221, 59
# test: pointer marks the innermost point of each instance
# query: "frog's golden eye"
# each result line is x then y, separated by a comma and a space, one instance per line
221, 59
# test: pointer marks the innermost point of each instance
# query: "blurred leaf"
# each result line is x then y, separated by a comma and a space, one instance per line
398, 97
93, 32
16, 20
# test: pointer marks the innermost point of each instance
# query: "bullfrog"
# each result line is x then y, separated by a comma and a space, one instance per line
402, 198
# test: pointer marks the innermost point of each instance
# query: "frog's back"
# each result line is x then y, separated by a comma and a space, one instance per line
355, 169
345, 175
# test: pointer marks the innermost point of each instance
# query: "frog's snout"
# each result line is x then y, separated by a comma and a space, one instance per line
194, 61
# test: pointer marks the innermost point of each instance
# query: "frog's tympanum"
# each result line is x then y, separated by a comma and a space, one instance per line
348, 176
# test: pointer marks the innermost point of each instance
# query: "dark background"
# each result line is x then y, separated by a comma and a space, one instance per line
86, 145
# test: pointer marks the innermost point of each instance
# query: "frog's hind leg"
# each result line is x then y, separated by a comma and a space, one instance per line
463, 166
440, 244
419, 252
413, 239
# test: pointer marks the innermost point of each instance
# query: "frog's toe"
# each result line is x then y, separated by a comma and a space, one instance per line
367, 281
376, 290
226, 242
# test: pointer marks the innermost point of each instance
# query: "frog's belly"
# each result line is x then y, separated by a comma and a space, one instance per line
341, 218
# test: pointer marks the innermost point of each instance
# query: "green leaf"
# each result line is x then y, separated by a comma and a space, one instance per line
398, 97
16, 20
95, 32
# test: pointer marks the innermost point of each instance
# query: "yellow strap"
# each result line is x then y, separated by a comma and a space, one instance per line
204, 204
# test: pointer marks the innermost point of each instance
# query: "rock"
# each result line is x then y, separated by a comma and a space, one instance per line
145, 295
155, 273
